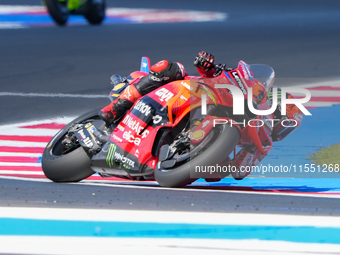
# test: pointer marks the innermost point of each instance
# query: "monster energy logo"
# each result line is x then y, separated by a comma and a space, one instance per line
111, 154
113, 157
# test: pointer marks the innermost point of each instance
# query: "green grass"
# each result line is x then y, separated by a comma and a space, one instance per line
329, 156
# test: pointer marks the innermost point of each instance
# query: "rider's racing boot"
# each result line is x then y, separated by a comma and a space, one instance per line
119, 106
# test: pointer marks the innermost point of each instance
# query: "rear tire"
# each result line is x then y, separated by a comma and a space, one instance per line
70, 167
58, 11
184, 174
95, 12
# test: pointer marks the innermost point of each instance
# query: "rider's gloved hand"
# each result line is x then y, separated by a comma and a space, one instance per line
204, 60
219, 69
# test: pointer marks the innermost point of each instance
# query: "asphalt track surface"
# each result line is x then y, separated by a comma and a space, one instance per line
300, 39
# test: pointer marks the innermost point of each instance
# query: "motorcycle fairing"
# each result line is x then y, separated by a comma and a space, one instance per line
131, 143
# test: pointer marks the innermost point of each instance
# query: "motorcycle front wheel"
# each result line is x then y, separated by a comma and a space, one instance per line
64, 165
215, 147
58, 11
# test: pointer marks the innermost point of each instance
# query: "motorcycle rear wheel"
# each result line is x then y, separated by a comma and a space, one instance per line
69, 166
224, 140
95, 12
58, 11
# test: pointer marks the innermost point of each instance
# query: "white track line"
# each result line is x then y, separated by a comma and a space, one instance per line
10, 25
180, 217
25, 131
46, 245
58, 120
325, 93
320, 104
20, 154
18, 9
11, 172
154, 15
22, 144
18, 164
51, 95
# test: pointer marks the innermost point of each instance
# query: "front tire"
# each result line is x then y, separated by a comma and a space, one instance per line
58, 11
72, 166
223, 144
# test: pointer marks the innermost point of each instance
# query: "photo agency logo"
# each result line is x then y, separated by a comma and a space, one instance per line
238, 104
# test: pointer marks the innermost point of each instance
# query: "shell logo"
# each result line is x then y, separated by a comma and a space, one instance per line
198, 135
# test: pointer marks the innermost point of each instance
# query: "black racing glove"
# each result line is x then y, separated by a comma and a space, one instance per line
204, 60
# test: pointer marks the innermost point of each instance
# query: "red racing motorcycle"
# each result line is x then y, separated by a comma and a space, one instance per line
175, 134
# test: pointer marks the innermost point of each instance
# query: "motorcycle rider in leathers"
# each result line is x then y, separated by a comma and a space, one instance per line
165, 71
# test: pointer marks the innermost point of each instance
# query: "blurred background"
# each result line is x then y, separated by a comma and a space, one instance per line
300, 39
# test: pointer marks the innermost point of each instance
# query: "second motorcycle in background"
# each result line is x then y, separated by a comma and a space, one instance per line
92, 10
